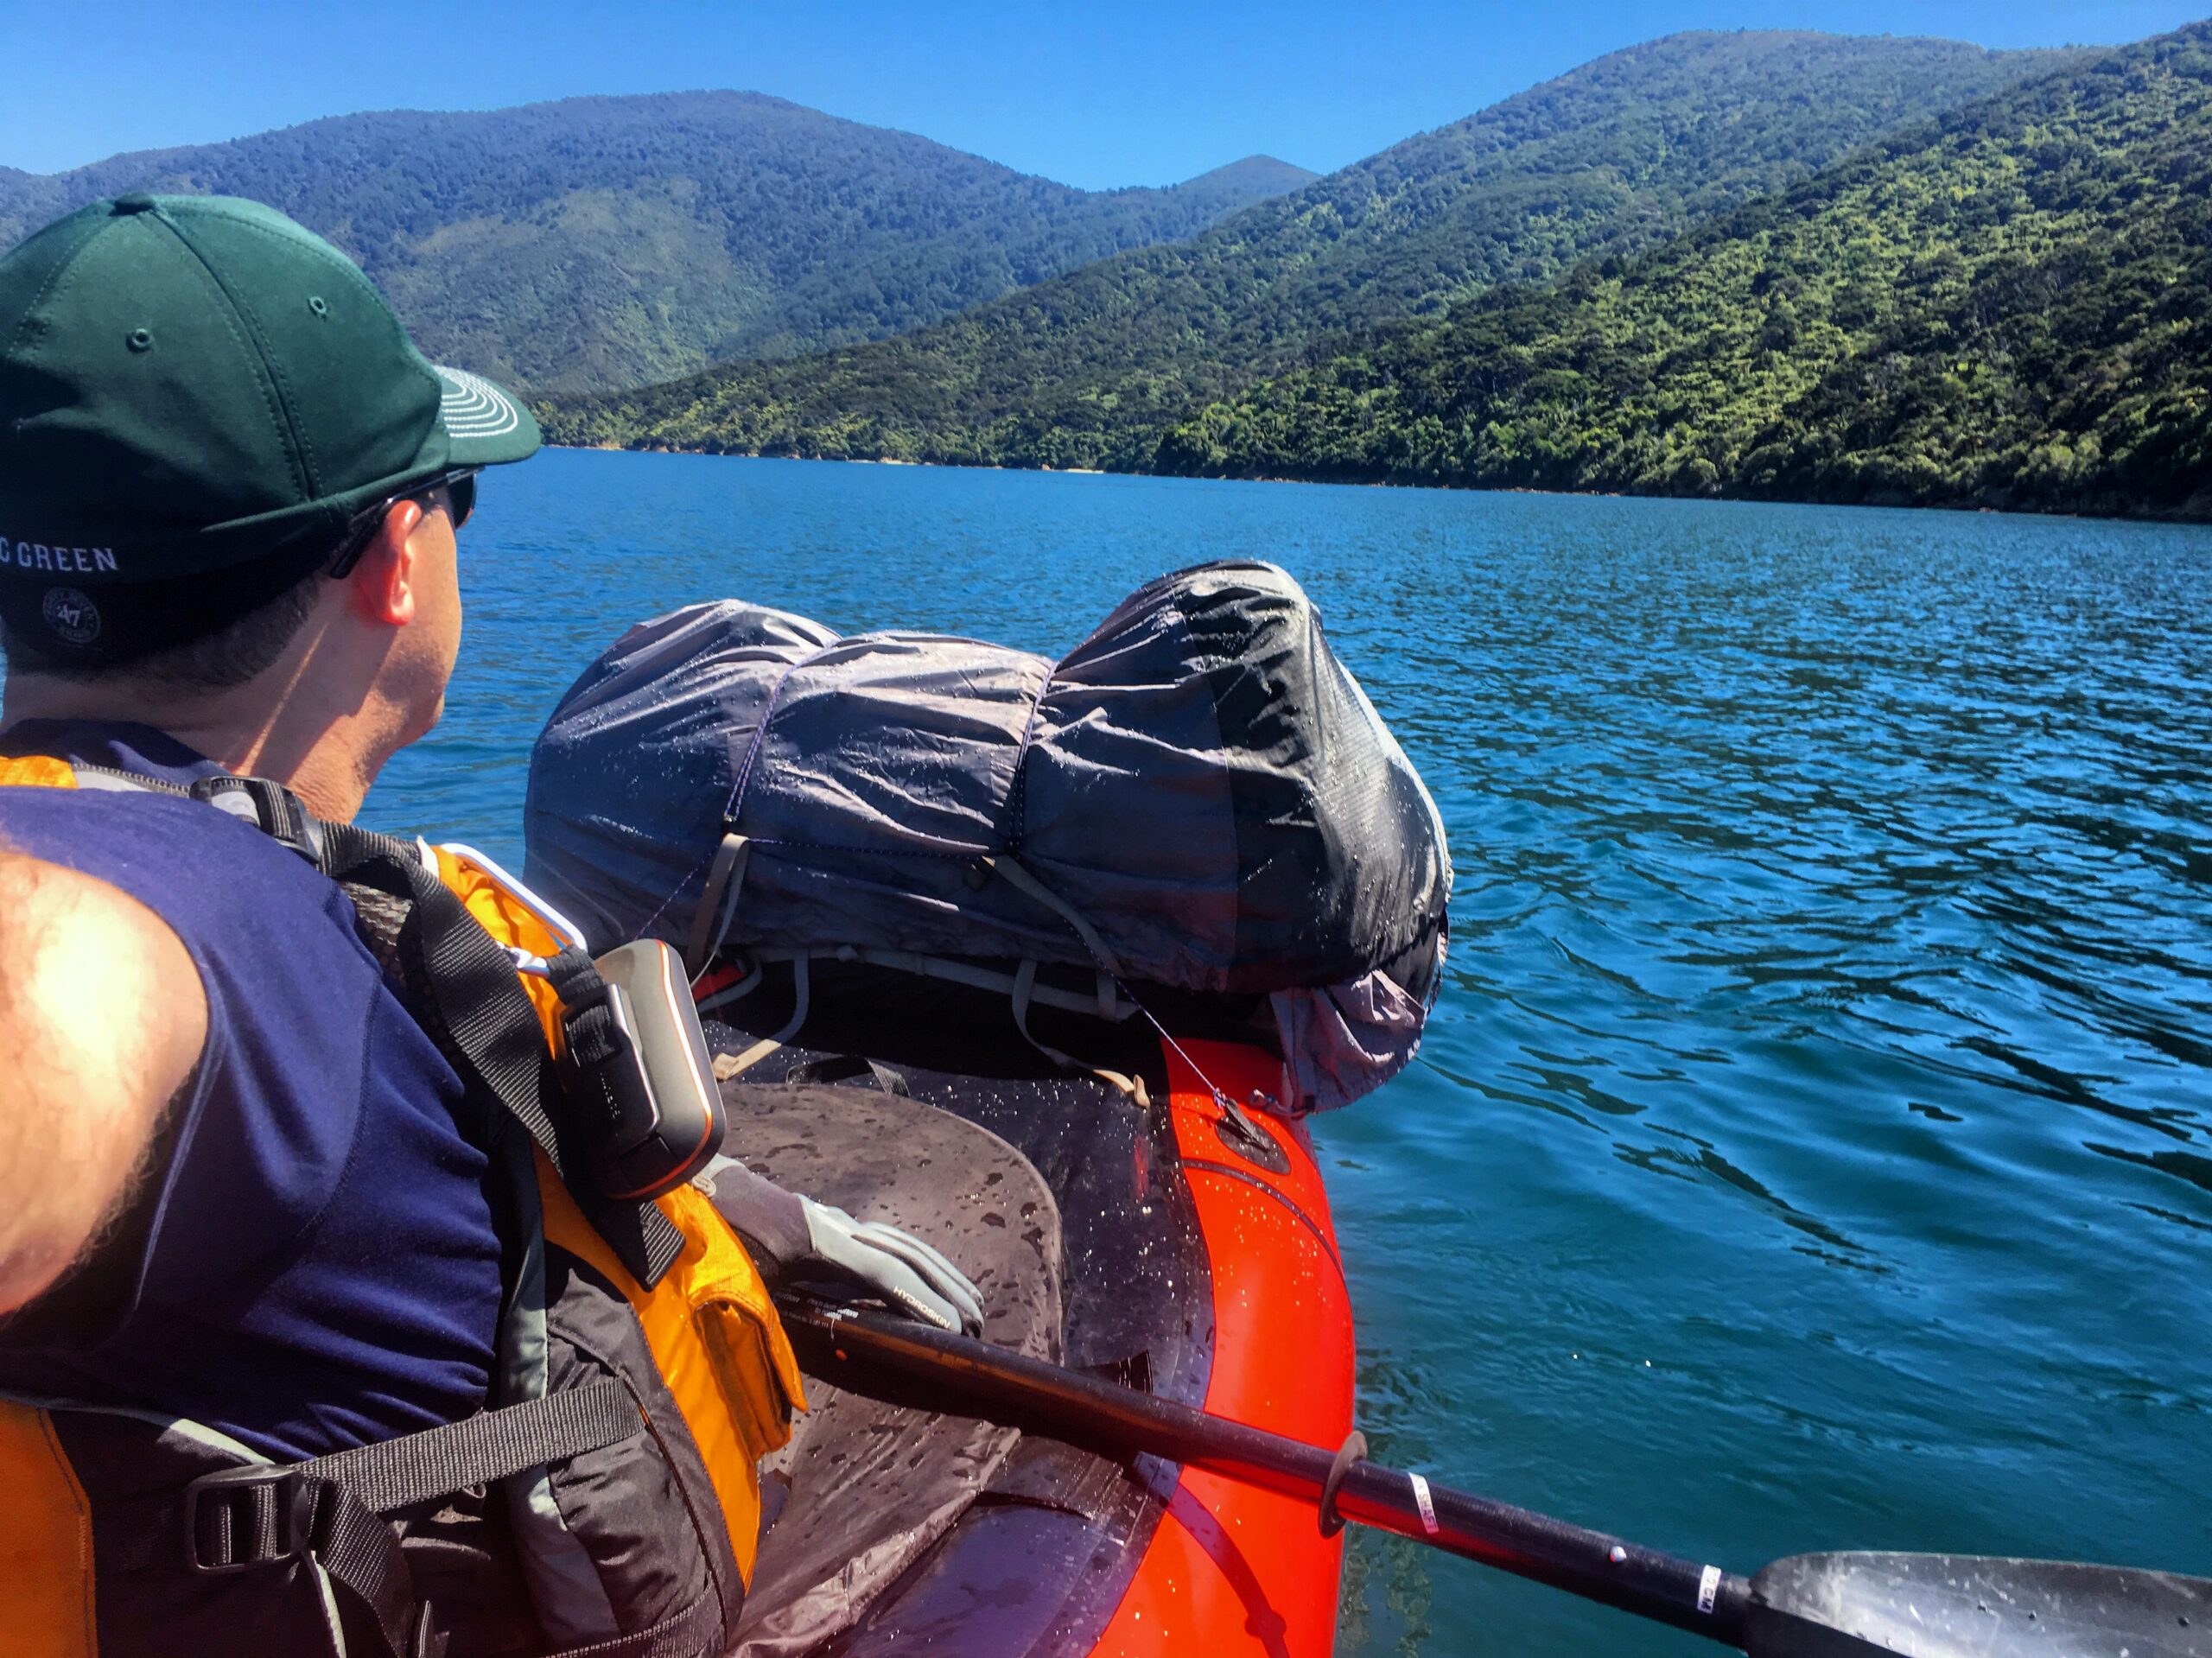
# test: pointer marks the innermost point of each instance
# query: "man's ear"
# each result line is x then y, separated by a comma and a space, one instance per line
381, 586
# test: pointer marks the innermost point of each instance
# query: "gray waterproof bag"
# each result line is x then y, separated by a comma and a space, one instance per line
1197, 797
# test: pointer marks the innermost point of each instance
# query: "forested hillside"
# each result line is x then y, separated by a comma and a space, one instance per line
2009, 306
1090, 369
608, 242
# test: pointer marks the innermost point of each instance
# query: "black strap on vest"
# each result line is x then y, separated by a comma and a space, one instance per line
591, 1027
460, 983
492, 1445
241, 1517
277, 1517
331, 1508
463, 990
269, 807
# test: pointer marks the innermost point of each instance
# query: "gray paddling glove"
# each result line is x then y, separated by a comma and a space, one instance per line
794, 1238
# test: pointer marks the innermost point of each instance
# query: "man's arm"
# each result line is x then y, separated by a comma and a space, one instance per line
102, 1018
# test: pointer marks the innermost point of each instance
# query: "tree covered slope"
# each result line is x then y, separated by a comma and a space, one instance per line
1090, 368
2009, 306
607, 242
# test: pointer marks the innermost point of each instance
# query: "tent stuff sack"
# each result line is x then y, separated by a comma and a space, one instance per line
1198, 801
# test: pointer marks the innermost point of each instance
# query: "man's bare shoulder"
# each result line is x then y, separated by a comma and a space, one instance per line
102, 1019
63, 925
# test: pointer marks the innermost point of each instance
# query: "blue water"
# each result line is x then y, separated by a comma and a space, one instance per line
1812, 1145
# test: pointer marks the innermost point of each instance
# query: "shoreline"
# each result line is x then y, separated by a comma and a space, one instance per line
2196, 512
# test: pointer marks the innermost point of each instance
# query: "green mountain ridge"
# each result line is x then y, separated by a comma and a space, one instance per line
1239, 184
1092, 368
2007, 307
604, 242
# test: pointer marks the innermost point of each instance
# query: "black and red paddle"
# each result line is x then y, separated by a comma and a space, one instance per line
1840, 1605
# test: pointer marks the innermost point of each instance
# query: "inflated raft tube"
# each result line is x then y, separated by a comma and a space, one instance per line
1193, 1262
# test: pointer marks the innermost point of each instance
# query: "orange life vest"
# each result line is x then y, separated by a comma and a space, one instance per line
642, 1374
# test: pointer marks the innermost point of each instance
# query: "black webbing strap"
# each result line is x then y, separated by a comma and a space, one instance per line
491, 1445
363, 1558
269, 807
588, 1020
462, 983
464, 991
247, 1518
333, 1507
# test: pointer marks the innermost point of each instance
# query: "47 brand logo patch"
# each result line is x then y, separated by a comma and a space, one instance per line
74, 619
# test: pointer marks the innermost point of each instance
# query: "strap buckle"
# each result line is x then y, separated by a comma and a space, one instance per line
237, 1519
269, 807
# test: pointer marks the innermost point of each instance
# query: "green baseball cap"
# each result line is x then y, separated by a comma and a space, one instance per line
197, 398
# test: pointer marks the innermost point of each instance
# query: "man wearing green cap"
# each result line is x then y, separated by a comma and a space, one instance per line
239, 1183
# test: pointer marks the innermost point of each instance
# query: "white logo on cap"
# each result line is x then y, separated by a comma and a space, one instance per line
74, 619
37, 555
471, 406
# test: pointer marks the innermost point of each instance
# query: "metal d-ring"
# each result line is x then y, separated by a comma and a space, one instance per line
1354, 1449
1243, 1136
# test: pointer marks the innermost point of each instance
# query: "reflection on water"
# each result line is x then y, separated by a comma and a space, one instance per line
1813, 1147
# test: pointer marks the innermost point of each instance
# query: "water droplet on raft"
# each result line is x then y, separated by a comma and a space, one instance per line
995, 1220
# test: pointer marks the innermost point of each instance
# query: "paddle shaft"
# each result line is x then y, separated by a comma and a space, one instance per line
911, 1363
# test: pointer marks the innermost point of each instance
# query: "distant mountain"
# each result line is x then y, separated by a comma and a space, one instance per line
2007, 307
1256, 178
607, 242
1092, 367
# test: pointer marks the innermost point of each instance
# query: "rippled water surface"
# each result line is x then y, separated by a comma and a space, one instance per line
1812, 1145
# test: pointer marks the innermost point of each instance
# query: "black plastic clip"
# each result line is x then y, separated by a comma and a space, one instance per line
269, 807
237, 1519
1354, 1449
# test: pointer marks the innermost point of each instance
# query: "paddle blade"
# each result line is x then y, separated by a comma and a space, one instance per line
1973, 1606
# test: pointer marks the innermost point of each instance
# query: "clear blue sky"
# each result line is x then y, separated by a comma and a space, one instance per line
1093, 95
